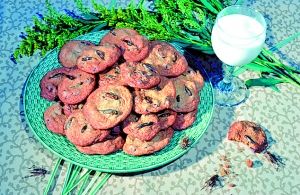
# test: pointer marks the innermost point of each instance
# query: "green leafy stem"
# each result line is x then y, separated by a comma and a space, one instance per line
186, 22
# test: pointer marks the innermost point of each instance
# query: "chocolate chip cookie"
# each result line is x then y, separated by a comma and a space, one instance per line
187, 97
155, 99
145, 128
70, 52
50, 81
107, 106
80, 132
107, 146
55, 119
137, 147
97, 58
135, 47
139, 75
76, 87
166, 59
250, 134
184, 120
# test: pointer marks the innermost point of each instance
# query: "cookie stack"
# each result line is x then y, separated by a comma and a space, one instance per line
125, 93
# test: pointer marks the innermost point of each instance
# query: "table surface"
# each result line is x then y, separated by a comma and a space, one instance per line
279, 113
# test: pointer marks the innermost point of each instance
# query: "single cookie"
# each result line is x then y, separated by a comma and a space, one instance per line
166, 118
132, 118
156, 99
80, 132
55, 119
105, 147
97, 58
166, 59
184, 120
115, 36
145, 128
135, 47
107, 106
187, 96
250, 134
71, 51
70, 108
50, 82
194, 76
139, 75
112, 77
76, 89
136, 147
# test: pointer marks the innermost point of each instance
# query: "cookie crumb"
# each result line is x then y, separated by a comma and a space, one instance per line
249, 163
224, 171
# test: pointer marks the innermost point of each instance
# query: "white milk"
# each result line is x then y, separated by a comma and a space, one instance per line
237, 39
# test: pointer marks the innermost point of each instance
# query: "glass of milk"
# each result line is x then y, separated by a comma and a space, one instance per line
237, 38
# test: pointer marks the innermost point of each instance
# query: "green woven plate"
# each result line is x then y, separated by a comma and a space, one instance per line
118, 162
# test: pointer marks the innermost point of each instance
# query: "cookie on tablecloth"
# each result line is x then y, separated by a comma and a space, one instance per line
137, 147
250, 134
76, 89
97, 58
80, 132
70, 52
139, 75
166, 59
145, 128
107, 106
55, 119
50, 82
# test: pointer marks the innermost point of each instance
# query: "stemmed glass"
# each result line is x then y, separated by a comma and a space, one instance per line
237, 38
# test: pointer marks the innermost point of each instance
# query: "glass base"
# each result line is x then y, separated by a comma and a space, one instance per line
230, 94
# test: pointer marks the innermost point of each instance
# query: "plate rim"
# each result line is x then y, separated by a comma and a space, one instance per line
132, 170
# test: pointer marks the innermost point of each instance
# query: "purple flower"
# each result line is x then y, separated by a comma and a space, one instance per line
13, 59
40, 16
22, 35
72, 14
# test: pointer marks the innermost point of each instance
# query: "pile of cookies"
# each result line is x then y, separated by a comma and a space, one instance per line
125, 93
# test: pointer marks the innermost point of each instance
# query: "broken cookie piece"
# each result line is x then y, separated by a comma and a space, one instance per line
248, 133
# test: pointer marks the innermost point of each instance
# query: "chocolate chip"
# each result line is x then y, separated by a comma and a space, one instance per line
178, 98
149, 67
85, 43
86, 58
57, 75
113, 32
68, 123
148, 99
164, 115
101, 54
145, 125
111, 111
112, 95
128, 42
250, 139
84, 128
188, 91
157, 88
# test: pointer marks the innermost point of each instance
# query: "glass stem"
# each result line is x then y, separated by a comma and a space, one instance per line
228, 73
226, 84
